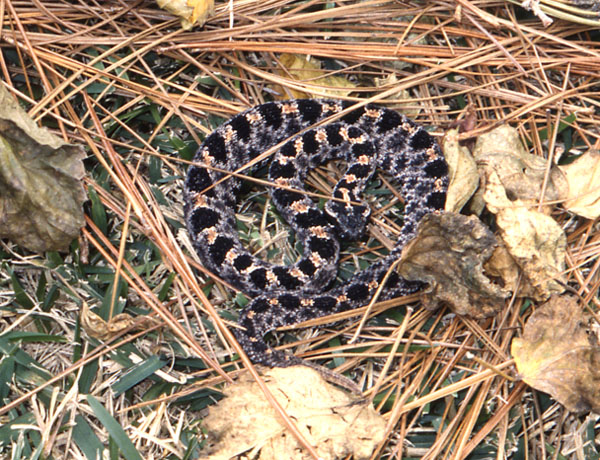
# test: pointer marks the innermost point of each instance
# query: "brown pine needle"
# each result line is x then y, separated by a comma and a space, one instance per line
139, 94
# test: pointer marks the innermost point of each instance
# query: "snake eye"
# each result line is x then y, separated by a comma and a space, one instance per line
309, 109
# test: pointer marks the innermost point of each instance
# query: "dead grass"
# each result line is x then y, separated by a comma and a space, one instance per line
139, 93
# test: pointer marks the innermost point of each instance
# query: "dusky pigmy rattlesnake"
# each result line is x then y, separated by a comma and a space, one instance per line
368, 138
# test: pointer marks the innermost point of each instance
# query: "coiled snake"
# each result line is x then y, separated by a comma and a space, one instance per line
367, 138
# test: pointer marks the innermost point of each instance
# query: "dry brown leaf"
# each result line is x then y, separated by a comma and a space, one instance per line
520, 173
469, 121
559, 355
190, 12
448, 253
502, 266
41, 193
334, 422
462, 169
301, 69
100, 329
534, 240
583, 177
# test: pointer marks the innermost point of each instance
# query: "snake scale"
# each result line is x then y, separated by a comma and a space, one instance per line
367, 138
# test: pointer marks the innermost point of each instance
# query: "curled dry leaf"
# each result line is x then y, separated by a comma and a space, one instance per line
559, 355
520, 173
448, 253
100, 329
462, 169
501, 265
534, 240
334, 422
468, 123
301, 69
190, 12
41, 193
583, 177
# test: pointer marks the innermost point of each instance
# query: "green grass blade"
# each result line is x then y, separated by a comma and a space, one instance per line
115, 430
86, 440
137, 373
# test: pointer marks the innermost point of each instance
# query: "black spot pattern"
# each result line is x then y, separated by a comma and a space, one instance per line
288, 150
321, 246
436, 200
259, 277
241, 127
271, 113
289, 294
289, 301
219, 249
358, 291
310, 143
286, 171
215, 144
309, 109
420, 140
286, 280
204, 218
199, 179
391, 120
333, 136
311, 218
353, 116
286, 197
307, 267
242, 262
437, 168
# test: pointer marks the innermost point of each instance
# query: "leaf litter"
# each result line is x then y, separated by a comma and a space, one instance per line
559, 353
338, 424
562, 50
41, 189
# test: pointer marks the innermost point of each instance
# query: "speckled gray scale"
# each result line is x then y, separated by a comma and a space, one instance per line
367, 138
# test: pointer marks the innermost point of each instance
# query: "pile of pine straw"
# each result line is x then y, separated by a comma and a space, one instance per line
124, 80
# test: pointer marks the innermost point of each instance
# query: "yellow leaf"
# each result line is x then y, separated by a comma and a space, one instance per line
521, 174
559, 355
337, 424
583, 176
408, 106
308, 74
100, 329
534, 240
514, 180
190, 12
462, 169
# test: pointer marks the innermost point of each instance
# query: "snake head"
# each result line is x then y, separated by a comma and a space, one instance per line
350, 221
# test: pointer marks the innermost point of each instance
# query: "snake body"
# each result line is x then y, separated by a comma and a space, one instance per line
368, 138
